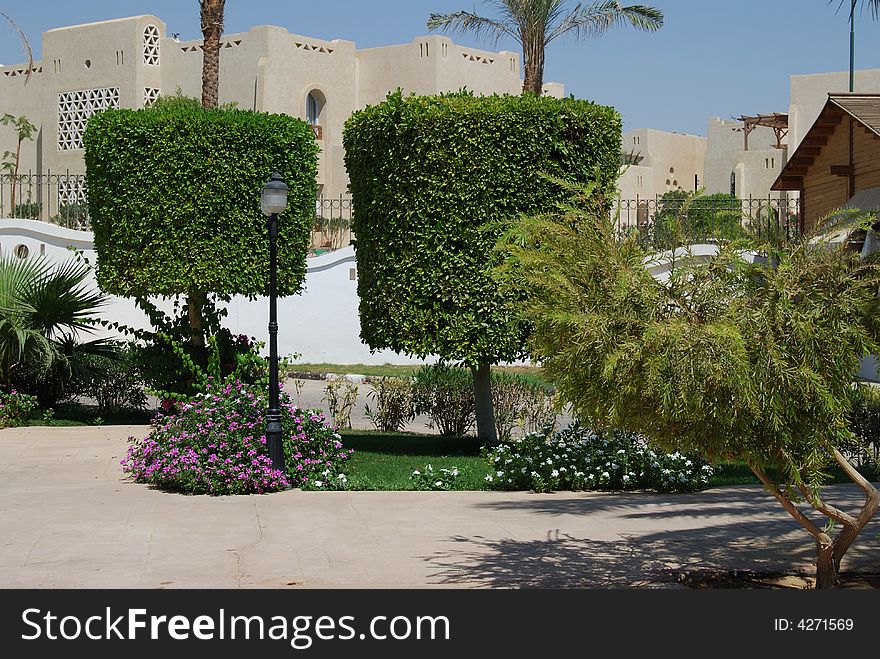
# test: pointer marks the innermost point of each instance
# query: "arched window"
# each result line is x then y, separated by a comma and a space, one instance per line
732, 184
315, 103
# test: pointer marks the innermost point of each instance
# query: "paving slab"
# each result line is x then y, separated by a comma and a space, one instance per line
69, 518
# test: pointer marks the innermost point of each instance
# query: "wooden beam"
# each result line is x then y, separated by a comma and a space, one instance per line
829, 120
796, 171
809, 151
818, 140
821, 130
841, 170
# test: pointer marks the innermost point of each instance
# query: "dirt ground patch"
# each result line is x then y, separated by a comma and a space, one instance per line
772, 580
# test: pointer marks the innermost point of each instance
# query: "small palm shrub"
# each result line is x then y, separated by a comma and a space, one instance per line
579, 458
216, 444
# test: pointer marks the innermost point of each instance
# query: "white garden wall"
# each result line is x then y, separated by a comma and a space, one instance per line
321, 324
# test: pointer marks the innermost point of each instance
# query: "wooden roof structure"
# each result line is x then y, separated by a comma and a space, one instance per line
778, 121
863, 108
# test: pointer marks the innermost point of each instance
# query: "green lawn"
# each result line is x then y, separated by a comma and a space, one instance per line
386, 461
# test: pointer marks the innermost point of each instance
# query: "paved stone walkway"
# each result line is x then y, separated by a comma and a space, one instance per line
68, 519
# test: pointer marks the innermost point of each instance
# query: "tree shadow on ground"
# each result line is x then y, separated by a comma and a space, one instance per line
756, 536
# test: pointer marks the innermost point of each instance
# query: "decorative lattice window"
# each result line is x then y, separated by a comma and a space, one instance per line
71, 190
150, 96
74, 110
151, 45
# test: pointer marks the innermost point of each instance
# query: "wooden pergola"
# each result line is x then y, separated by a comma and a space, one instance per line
778, 121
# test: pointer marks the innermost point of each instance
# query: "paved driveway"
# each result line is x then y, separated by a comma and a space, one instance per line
69, 519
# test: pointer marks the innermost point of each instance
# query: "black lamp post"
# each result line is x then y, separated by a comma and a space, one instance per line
273, 201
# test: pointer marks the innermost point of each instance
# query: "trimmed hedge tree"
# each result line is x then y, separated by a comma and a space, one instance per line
434, 180
174, 199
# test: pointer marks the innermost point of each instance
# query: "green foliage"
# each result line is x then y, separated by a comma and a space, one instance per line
16, 408
731, 358
174, 199
27, 210
216, 445
394, 404
446, 394
428, 176
116, 384
579, 458
71, 215
430, 479
174, 370
520, 402
682, 216
865, 423
44, 311
341, 395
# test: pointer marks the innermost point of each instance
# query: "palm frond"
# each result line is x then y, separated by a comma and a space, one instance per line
465, 21
592, 20
872, 5
25, 44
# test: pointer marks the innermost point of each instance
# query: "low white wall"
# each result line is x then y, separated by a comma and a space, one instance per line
321, 324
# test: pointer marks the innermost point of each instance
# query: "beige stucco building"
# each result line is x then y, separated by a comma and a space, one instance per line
130, 61
660, 162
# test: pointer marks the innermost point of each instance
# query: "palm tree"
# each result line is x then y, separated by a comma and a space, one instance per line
44, 311
874, 6
212, 29
211, 12
536, 23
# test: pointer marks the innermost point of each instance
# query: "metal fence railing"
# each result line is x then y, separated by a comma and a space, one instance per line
58, 198
332, 228
710, 218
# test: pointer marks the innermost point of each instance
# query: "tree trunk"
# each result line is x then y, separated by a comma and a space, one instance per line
15, 173
194, 304
483, 403
826, 567
534, 71
212, 29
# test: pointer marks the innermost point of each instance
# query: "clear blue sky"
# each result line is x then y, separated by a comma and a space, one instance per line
712, 58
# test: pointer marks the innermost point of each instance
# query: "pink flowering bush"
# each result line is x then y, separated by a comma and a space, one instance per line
216, 444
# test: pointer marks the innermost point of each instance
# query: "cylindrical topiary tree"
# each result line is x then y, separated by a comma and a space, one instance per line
434, 180
174, 199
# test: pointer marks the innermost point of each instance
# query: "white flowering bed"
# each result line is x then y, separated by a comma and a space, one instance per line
583, 459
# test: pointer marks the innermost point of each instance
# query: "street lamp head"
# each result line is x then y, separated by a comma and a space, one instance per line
273, 199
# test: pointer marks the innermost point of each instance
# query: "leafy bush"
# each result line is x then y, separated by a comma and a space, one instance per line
16, 408
72, 215
697, 218
341, 397
519, 402
217, 445
116, 384
27, 210
435, 479
578, 458
446, 394
394, 404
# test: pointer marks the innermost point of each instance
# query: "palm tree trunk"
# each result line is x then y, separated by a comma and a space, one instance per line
212, 29
534, 70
